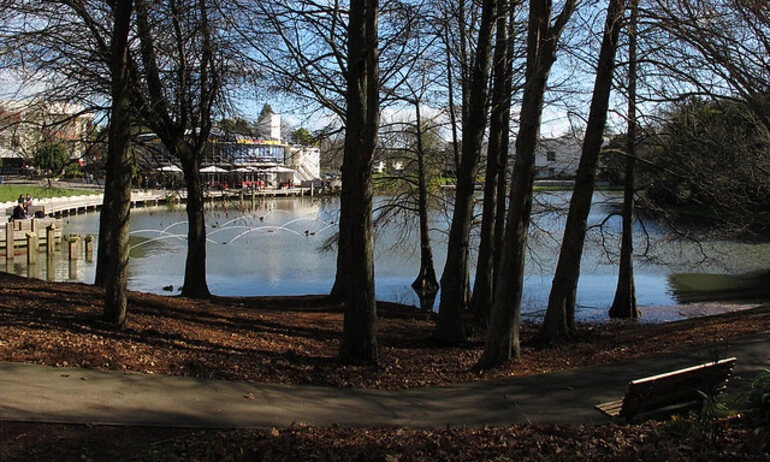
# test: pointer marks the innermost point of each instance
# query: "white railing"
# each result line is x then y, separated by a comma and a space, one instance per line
56, 205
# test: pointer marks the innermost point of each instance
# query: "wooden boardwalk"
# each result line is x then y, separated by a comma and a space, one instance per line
73, 205
39, 226
58, 207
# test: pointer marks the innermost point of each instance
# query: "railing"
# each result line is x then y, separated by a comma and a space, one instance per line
59, 205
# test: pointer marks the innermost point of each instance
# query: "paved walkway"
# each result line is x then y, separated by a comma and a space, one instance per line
38, 393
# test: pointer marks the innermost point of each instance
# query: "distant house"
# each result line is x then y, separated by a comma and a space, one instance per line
378, 167
24, 125
558, 158
393, 166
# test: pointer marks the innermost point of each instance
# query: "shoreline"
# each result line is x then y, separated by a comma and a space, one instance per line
295, 340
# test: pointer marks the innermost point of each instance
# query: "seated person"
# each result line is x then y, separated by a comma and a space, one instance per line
18, 213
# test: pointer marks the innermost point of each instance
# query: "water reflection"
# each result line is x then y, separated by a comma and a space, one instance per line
274, 249
751, 287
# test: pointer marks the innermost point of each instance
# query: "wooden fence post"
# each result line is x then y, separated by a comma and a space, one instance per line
50, 239
50, 269
73, 243
89, 247
9, 240
32, 248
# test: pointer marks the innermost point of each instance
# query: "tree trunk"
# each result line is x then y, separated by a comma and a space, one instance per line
359, 335
337, 293
624, 304
559, 323
171, 122
499, 232
195, 284
116, 299
103, 252
450, 326
503, 333
426, 284
498, 135
452, 112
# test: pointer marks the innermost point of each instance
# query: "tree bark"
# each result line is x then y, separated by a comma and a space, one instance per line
499, 232
118, 213
103, 252
359, 335
559, 323
624, 304
195, 283
337, 292
450, 326
503, 340
495, 172
426, 284
171, 122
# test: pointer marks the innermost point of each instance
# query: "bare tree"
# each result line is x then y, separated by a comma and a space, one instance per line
624, 304
119, 159
450, 326
69, 49
715, 48
359, 335
177, 79
497, 160
308, 62
542, 39
559, 323
416, 140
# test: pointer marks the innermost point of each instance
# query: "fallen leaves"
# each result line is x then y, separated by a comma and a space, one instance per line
296, 339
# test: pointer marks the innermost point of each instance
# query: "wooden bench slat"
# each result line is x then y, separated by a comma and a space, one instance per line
720, 363
612, 408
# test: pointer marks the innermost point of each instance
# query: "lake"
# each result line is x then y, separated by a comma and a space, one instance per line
275, 249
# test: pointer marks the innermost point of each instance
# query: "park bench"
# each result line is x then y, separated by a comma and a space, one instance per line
30, 210
670, 393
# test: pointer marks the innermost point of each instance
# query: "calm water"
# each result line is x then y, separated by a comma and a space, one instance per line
274, 249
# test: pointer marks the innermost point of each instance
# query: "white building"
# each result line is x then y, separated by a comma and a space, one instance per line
381, 166
24, 125
306, 162
269, 127
238, 158
558, 158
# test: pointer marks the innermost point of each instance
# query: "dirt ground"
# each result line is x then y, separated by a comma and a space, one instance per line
295, 340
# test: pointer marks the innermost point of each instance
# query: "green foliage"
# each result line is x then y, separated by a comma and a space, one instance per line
758, 397
710, 156
267, 110
238, 126
73, 170
51, 158
302, 136
613, 160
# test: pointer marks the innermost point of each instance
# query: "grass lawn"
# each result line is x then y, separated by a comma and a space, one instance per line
11, 192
